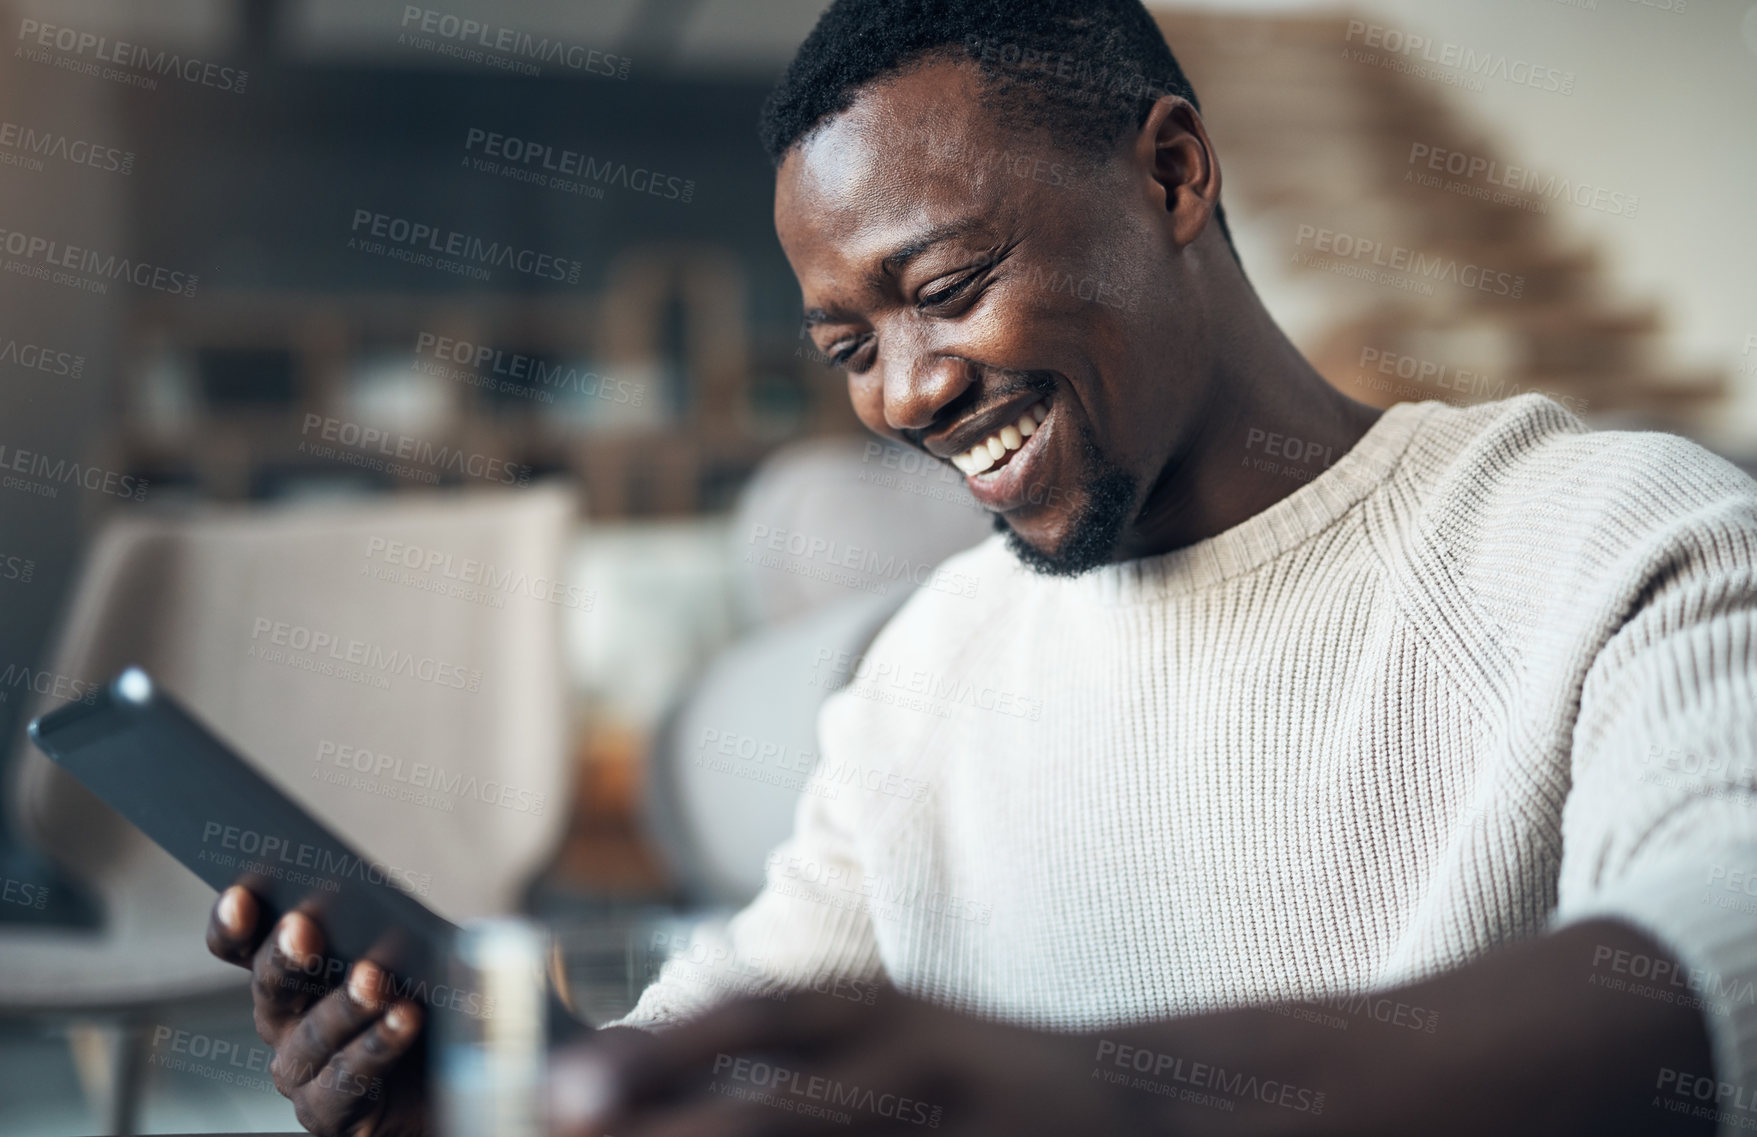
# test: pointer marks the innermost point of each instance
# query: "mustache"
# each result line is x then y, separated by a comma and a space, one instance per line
1005, 385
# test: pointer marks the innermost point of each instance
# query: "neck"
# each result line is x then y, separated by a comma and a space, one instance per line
1269, 424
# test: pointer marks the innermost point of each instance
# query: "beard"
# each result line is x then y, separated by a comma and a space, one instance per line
1095, 525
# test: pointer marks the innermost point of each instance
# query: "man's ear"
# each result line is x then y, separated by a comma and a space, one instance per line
1172, 148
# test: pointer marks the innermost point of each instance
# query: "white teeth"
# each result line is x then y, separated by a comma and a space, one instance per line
992, 449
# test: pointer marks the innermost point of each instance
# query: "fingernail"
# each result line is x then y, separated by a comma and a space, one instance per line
399, 1019
363, 984
284, 941
581, 1092
232, 909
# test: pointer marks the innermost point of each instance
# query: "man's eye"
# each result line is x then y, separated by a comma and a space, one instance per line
949, 293
841, 357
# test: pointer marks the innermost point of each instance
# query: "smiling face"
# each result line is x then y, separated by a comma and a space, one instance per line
975, 280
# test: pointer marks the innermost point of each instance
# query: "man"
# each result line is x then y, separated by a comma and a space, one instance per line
1398, 794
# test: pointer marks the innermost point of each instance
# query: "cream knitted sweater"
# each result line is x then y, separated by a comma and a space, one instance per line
1488, 672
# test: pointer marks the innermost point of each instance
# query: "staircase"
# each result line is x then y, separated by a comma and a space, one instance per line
1470, 289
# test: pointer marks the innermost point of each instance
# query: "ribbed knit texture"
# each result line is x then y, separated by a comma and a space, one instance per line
1453, 690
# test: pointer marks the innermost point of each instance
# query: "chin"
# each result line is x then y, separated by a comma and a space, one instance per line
1087, 526
1087, 540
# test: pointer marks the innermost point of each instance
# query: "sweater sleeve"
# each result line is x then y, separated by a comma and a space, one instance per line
808, 927
1660, 826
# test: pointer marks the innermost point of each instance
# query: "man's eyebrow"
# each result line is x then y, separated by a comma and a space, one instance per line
897, 259
900, 257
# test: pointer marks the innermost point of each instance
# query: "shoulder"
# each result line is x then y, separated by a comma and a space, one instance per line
1526, 467
1533, 512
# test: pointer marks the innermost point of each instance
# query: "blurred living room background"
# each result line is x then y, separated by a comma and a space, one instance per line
605, 474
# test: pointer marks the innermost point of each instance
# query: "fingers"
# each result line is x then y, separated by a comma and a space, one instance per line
375, 1051
329, 1026
359, 1071
352, 1083
288, 974
336, 1045
232, 931
334, 1085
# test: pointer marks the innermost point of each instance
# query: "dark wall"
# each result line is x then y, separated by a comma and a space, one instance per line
261, 192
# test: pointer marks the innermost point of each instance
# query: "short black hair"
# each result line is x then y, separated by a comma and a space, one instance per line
1084, 70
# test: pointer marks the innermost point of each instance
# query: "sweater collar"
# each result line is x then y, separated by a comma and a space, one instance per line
1296, 518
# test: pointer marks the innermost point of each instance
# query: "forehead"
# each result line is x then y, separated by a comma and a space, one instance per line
912, 153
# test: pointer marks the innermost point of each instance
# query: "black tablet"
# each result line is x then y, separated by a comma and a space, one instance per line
155, 764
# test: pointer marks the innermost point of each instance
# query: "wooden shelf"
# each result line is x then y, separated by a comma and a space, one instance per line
642, 457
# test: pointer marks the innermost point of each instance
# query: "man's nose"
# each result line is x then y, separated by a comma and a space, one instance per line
919, 388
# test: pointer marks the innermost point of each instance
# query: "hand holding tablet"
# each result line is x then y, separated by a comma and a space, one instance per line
346, 964
349, 1058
